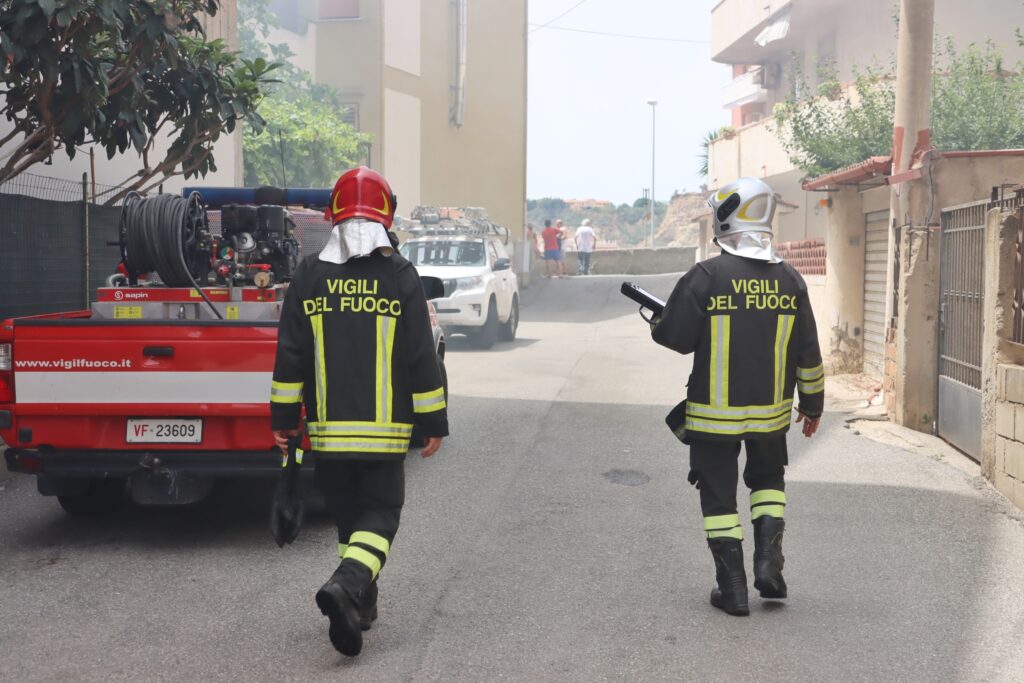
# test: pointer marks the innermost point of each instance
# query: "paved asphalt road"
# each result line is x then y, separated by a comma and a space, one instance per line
553, 538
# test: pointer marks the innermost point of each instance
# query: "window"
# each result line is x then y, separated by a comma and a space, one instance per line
492, 254
444, 253
351, 114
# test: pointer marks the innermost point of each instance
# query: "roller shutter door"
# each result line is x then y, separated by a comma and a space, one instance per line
876, 246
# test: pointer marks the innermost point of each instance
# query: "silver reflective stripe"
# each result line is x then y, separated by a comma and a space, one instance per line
363, 446
739, 412
782, 335
319, 366
720, 360
286, 393
418, 404
344, 430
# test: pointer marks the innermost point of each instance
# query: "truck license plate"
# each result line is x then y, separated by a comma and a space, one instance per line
162, 430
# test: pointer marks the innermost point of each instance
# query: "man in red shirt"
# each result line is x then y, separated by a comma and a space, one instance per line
552, 252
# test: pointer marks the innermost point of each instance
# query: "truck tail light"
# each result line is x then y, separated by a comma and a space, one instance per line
6, 375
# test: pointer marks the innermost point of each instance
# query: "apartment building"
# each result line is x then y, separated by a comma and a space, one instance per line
439, 84
761, 40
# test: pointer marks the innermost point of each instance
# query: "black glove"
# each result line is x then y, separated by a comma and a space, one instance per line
288, 509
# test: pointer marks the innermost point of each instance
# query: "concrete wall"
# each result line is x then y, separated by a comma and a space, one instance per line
1002, 375
631, 261
842, 313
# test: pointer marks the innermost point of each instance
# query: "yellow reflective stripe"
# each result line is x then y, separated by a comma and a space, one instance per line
720, 326
319, 364
723, 526
298, 456
742, 215
342, 547
739, 412
722, 195
371, 429
783, 331
359, 445
364, 557
777, 511
721, 522
429, 394
736, 532
385, 347
355, 424
810, 374
429, 401
286, 392
767, 496
817, 387
812, 387
735, 427
375, 541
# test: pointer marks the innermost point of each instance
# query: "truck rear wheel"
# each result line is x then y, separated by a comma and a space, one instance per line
101, 496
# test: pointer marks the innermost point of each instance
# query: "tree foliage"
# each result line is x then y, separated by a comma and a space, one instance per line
122, 73
976, 104
307, 141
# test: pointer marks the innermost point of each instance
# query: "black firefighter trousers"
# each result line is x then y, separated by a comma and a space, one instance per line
365, 499
715, 471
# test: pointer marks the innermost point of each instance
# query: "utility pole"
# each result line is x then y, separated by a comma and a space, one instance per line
910, 316
654, 106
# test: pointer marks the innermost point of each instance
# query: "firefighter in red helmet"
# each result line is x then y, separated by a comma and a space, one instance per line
356, 349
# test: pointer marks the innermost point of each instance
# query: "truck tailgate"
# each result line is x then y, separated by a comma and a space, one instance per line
81, 384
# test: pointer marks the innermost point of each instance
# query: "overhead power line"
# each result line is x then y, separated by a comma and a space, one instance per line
540, 26
618, 35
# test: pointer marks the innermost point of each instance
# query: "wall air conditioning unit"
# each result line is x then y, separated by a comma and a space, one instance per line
767, 76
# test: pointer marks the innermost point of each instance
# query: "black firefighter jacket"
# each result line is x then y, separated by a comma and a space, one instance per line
355, 346
750, 327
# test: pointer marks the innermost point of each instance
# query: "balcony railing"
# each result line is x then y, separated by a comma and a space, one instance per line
745, 89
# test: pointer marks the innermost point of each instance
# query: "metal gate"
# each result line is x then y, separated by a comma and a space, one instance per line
961, 321
876, 251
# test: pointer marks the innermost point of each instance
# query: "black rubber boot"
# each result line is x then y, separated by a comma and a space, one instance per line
730, 594
768, 559
368, 606
336, 603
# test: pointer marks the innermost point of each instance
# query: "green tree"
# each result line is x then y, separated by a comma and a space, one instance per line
976, 104
122, 73
306, 142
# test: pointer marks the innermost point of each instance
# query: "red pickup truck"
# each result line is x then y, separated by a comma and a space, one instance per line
97, 406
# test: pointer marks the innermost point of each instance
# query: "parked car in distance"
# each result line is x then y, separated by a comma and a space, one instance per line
481, 292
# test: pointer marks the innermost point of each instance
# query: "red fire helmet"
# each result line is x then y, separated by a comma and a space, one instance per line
365, 193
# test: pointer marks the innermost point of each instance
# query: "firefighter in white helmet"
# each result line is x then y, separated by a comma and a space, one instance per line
746, 317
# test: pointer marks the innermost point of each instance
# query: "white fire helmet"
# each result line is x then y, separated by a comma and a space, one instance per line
744, 205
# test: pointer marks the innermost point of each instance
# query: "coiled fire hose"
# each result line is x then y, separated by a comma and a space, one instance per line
160, 234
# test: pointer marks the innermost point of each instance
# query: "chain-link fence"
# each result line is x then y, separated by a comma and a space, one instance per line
56, 244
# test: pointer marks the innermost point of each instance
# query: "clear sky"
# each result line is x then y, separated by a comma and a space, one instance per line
589, 125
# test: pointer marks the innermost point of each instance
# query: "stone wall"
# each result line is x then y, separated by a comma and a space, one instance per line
630, 261
1008, 468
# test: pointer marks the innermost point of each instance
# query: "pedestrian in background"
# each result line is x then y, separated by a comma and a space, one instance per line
560, 227
586, 241
746, 317
552, 252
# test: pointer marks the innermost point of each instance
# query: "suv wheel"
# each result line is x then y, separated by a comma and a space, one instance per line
488, 334
508, 329
101, 496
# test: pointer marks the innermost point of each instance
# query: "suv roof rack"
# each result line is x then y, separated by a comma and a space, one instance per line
451, 221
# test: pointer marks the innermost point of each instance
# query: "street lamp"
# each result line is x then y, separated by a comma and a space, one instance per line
654, 103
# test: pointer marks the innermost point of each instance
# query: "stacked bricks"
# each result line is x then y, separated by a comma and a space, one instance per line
1008, 473
808, 256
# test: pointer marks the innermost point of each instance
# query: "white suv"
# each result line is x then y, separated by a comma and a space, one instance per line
481, 293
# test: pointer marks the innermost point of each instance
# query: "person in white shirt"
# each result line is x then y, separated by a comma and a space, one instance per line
586, 240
